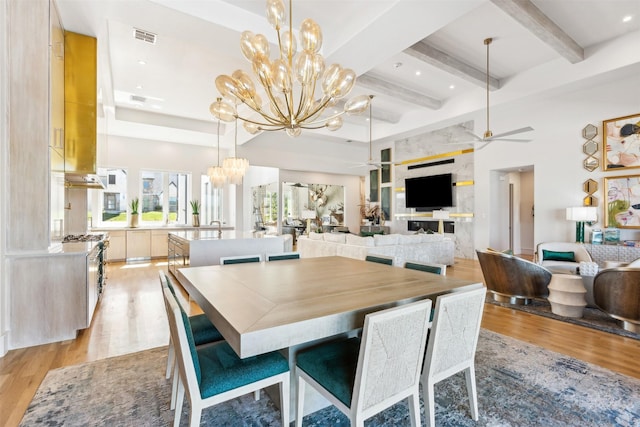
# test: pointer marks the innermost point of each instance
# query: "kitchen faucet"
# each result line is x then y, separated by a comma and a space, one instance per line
219, 226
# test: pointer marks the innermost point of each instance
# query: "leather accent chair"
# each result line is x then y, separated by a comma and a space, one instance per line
616, 291
511, 279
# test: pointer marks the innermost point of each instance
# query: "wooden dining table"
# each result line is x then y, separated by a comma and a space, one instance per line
266, 306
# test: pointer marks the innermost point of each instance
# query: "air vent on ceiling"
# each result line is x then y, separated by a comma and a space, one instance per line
145, 36
138, 99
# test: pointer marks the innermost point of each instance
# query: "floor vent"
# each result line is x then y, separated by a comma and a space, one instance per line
144, 36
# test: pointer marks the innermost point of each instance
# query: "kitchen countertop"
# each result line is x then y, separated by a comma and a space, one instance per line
72, 248
160, 227
212, 234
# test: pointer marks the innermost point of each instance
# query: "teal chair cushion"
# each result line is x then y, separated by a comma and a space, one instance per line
558, 256
223, 370
379, 260
203, 330
332, 365
240, 260
422, 267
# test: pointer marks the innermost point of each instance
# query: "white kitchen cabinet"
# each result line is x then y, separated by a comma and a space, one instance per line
159, 243
117, 250
138, 244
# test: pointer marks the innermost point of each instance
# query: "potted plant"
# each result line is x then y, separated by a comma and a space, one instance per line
195, 210
135, 202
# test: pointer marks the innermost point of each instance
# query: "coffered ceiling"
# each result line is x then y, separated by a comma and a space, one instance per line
424, 60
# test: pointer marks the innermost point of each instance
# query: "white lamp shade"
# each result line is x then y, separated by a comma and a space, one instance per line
582, 213
440, 214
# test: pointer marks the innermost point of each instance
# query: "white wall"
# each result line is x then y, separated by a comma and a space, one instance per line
4, 145
555, 152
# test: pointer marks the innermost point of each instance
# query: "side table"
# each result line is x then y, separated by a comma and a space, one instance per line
567, 295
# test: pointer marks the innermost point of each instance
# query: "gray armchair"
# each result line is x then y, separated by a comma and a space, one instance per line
616, 291
512, 279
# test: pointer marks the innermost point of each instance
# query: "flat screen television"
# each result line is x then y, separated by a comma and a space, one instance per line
426, 193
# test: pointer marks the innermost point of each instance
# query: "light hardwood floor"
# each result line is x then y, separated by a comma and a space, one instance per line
130, 317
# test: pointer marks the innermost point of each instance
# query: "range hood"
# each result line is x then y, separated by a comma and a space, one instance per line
72, 180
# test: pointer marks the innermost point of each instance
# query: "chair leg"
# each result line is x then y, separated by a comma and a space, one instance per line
174, 386
429, 403
414, 409
179, 402
196, 414
300, 402
470, 375
170, 359
256, 395
284, 401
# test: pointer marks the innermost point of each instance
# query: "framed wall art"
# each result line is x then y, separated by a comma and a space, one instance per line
622, 209
621, 143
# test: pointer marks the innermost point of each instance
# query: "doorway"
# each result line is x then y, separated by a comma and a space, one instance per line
512, 210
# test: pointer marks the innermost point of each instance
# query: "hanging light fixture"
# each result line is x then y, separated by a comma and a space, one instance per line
235, 167
289, 81
216, 173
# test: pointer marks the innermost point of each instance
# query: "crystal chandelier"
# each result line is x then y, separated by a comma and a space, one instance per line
235, 167
289, 81
216, 173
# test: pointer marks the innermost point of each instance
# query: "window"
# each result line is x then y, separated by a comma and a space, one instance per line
210, 201
164, 196
111, 202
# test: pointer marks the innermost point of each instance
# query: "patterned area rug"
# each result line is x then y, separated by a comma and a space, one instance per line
592, 318
518, 385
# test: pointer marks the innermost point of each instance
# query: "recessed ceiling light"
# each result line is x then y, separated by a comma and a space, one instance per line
418, 72
141, 62
452, 87
627, 18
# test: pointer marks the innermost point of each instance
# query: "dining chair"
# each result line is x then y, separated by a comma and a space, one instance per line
226, 260
202, 330
428, 267
379, 259
283, 255
452, 346
215, 374
362, 377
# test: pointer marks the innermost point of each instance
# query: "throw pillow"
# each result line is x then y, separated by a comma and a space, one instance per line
558, 256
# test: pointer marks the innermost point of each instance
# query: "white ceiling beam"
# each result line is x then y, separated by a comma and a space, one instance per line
437, 58
385, 87
532, 18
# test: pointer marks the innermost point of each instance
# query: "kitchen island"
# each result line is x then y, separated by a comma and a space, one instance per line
205, 247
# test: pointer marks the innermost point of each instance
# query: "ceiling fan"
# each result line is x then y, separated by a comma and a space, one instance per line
371, 162
488, 136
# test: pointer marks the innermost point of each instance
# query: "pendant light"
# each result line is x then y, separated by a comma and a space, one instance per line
216, 173
235, 167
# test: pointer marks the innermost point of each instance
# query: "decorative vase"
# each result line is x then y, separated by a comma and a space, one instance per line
133, 221
196, 220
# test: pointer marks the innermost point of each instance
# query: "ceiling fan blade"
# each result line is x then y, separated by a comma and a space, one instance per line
512, 132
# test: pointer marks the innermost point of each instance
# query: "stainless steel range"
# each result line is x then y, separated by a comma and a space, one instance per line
96, 262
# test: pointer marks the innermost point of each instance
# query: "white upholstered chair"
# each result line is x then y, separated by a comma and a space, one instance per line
362, 377
428, 267
240, 259
452, 346
214, 374
283, 255
562, 257
202, 330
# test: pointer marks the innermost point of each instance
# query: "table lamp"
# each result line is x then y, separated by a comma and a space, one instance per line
440, 216
581, 214
308, 214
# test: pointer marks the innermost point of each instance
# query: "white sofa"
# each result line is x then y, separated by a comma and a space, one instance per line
434, 248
